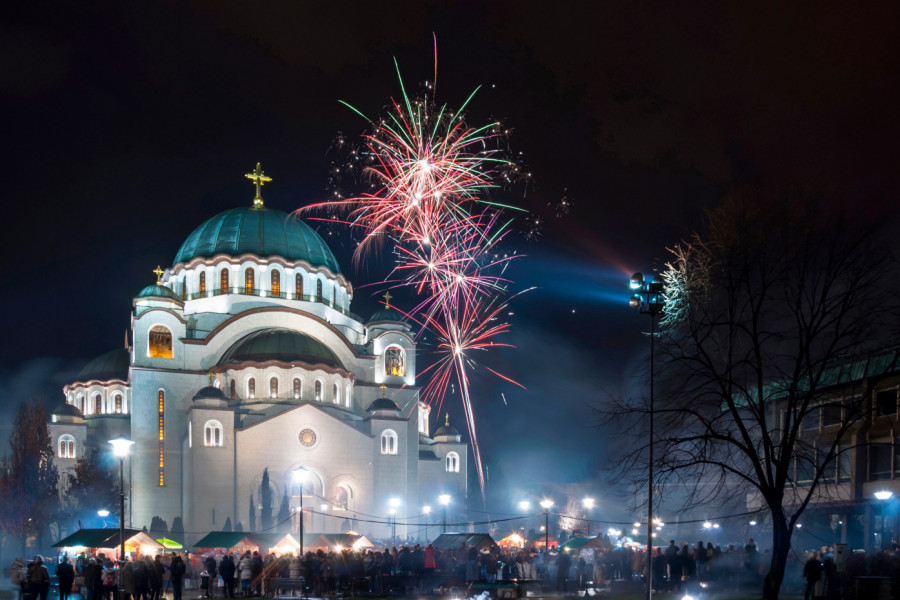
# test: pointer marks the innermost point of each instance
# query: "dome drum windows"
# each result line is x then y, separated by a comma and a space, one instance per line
213, 434
298, 287
66, 446
223, 282
275, 285
395, 361
320, 297
318, 390
98, 404
250, 282
452, 462
118, 406
251, 388
273, 387
159, 342
336, 394
298, 388
389, 442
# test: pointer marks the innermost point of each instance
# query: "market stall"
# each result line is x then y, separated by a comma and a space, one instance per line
108, 542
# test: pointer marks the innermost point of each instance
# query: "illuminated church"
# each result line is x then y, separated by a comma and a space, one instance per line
244, 356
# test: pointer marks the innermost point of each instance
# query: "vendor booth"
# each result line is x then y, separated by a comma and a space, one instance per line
277, 543
513, 541
107, 542
541, 541
451, 541
327, 542
222, 542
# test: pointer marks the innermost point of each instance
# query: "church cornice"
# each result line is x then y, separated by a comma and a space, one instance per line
282, 365
302, 404
86, 384
180, 318
277, 309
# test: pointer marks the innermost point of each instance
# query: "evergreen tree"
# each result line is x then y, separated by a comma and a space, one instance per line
252, 514
92, 485
284, 514
158, 528
227, 526
265, 499
29, 477
177, 531
239, 527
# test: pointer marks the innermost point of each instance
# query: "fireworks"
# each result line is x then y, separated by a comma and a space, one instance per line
427, 176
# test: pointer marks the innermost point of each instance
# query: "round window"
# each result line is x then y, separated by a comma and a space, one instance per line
308, 438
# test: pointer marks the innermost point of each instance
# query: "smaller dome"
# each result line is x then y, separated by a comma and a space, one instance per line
383, 404
388, 314
158, 291
67, 410
210, 391
447, 430
280, 344
112, 365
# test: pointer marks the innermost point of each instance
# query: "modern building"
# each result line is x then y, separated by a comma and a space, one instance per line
244, 357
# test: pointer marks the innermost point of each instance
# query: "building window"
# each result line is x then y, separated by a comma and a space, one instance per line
98, 404
183, 286
66, 446
318, 391
249, 281
341, 499
232, 389
275, 283
886, 403
389, 442
297, 388
452, 462
811, 418
223, 281
160, 342
336, 394
273, 387
251, 388
880, 461
162, 436
832, 413
844, 463
117, 402
298, 286
394, 361
212, 434
202, 289
319, 296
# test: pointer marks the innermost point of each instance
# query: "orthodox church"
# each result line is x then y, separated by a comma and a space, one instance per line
245, 358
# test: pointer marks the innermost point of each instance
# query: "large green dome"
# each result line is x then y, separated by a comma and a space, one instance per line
259, 231
279, 344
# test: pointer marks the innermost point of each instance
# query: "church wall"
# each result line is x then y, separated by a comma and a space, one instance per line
187, 488
212, 471
392, 474
434, 478
340, 455
141, 328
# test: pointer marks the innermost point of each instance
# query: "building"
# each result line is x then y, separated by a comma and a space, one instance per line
245, 358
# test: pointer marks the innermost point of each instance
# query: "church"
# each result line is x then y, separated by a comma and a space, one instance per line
245, 358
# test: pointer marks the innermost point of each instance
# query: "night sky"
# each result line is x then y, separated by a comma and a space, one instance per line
125, 125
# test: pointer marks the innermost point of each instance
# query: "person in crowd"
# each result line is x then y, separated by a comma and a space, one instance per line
812, 572
38, 579
65, 573
18, 576
245, 573
177, 569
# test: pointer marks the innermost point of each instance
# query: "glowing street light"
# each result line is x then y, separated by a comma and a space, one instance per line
444, 499
427, 510
121, 447
883, 496
546, 504
524, 505
299, 476
588, 504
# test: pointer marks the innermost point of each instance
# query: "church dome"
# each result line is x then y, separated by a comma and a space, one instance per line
158, 291
388, 314
260, 231
67, 410
112, 365
280, 344
208, 392
383, 404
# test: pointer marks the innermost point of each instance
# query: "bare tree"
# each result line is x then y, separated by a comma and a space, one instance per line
759, 312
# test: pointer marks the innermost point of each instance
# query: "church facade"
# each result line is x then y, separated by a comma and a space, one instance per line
245, 358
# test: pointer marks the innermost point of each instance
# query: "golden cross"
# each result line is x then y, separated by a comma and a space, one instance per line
447, 420
159, 273
387, 299
383, 388
259, 178
212, 377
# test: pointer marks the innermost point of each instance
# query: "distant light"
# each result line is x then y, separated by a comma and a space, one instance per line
103, 513
323, 507
637, 280
426, 509
299, 474
715, 525
546, 504
121, 446
636, 524
394, 502
444, 499
588, 503
752, 523
524, 505
799, 525
707, 525
884, 495
634, 532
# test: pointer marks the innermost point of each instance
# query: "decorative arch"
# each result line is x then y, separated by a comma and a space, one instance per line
389, 443
395, 361
452, 462
159, 342
342, 496
213, 434
66, 446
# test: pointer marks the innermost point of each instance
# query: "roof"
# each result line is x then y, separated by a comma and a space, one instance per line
282, 345
344, 540
427, 455
271, 540
260, 231
226, 539
383, 404
210, 391
112, 365
104, 538
158, 291
66, 409
577, 542
388, 314
447, 541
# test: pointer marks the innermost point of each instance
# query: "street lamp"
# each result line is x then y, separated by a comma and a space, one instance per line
884, 496
299, 475
427, 510
546, 504
648, 300
121, 447
588, 504
393, 503
103, 513
444, 499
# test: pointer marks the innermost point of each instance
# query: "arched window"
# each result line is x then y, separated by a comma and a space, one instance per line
117, 403
160, 342
319, 296
66, 446
249, 281
212, 434
389, 441
273, 387
223, 281
297, 388
341, 498
183, 287
452, 462
233, 390
275, 283
251, 388
318, 390
79, 402
395, 361
298, 286
202, 289
336, 394
98, 404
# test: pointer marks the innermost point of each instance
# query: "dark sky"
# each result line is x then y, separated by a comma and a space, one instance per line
125, 125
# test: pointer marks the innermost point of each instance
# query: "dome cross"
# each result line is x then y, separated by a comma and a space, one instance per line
259, 178
387, 299
159, 273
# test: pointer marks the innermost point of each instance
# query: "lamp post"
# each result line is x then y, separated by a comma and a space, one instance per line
444, 499
394, 503
121, 447
647, 299
884, 496
299, 475
427, 510
588, 504
546, 504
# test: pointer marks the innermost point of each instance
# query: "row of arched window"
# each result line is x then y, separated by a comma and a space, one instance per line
249, 286
66, 446
296, 391
96, 406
